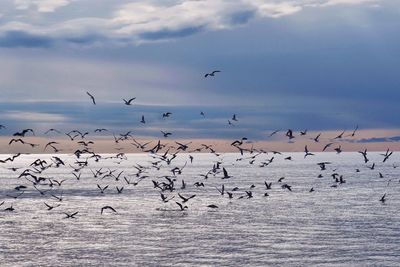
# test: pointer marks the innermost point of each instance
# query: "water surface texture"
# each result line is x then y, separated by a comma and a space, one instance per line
339, 224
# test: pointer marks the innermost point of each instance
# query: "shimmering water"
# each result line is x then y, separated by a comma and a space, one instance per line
345, 225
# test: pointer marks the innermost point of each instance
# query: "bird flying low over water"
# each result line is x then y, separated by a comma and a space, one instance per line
129, 102
107, 208
92, 97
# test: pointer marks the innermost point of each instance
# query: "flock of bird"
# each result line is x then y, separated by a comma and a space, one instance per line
170, 187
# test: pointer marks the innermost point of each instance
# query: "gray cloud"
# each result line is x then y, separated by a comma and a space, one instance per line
138, 21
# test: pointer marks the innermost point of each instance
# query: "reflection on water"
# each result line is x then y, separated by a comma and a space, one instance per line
342, 226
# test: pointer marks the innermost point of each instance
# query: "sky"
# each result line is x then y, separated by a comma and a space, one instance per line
321, 65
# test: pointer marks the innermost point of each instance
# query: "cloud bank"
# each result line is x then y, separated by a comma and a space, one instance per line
34, 23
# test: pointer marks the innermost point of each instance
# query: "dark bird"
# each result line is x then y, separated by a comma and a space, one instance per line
364, 153
107, 208
71, 215
211, 73
49, 207
102, 189
181, 206
52, 130
142, 120
340, 135
166, 134
354, 132
166, 114
326, 146
316, 139
338, 150
226, 175
289, 134
129, 102
307, 152
213, 206
383, 198
186, 199
9, 209
23, 132
234, 117
92, 97
268, 185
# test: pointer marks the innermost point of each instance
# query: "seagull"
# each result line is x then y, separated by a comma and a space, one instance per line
102, 189
166, 114
326, 146
211, 73
307, 152
226, 176
49, 207
364, 153
383, 198
181, 206
186, 199
107, 207
316, 139
129, 102
354, 132
71, 216
92, 97
289, 134
166, 134
340, 135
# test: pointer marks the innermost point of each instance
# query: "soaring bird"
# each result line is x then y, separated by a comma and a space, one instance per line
186, 199
71, 215
129, 102
383, 198
181, 206
211, 73
107, 208
166, 114
307, 152
92, 97
143, 121
166, 134
226, 175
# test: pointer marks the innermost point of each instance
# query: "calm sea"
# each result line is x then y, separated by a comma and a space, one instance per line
345, 225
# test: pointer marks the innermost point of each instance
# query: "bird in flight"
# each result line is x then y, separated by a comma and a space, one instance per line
211, 73
129, 102
143, 121
107, 208
92, 97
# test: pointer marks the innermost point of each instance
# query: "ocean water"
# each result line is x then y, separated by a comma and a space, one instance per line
345, 225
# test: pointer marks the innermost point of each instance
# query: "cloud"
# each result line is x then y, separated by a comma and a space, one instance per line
143, 21
379, 139
41, 5
25, 39
33, 116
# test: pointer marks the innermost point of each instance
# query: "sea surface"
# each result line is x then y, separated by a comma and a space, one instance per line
338, 224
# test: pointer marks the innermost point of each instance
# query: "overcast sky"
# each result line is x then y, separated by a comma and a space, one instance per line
316, 64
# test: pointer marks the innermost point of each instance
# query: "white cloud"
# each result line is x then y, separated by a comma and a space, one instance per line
140, 21
41, 5
33, 116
